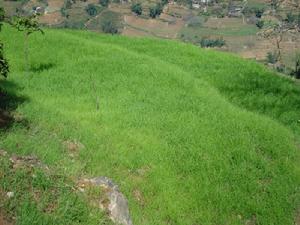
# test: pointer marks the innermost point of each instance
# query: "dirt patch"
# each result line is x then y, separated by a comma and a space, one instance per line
154, 27
138, 196
53, 18
73, 147
4, 220
297, 218
5, 119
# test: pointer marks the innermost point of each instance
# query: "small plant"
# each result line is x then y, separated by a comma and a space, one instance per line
210, 43
109, 27
296, 71
272, 57
91, 9
164, 2
290, 18
260, 24
28, 25
104, 3
156, 10
4, 69
259, 12
137, 8
68, 4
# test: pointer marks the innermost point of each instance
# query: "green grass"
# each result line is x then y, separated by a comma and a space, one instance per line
43, 197
205, 137
194, 34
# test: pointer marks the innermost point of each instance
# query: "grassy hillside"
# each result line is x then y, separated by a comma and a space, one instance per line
202, 137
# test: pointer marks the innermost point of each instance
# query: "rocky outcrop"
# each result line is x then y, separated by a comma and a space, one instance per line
111, 200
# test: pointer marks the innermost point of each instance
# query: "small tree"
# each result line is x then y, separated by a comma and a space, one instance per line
137, 8
28, 25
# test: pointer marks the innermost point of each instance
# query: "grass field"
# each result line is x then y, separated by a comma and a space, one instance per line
204, 137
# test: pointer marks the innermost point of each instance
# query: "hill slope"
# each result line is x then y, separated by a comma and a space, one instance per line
202, 137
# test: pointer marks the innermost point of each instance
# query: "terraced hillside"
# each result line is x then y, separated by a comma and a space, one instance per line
191, 136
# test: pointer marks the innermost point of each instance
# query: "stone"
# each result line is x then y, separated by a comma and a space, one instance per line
112, 200
26, 161
3, 153
10, 194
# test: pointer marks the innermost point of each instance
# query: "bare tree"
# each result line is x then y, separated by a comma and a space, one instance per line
275, 33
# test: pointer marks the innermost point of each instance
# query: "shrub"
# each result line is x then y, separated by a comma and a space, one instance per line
91, 9
260, 24
68, 4
3, 62
164, 2
210, 43
104, 3
272, 57
259, 12
290, 18
296, 71
109, 27
156, 10
137, 8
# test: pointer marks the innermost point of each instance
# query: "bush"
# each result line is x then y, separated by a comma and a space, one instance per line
272, 57
210, 43
91, 9
290, 18
296, 71
68, 4
3, 62
260, 24
104, 3
156, 10
259, 12
137, 8
109, 27
164, 2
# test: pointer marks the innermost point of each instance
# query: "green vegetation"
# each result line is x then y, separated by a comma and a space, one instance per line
4, 68
195, 34
156, 10
272, 57
205, 137
210, 43
137, 8
260, 24
104, 3
91, 9
28, 25
43, 197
